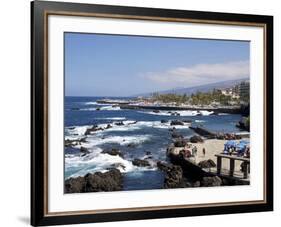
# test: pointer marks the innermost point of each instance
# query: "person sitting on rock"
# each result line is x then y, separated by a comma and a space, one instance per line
187, 154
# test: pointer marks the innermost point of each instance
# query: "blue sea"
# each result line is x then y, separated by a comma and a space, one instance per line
148, 138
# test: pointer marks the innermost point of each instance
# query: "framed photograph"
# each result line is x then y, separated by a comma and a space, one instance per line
141, 113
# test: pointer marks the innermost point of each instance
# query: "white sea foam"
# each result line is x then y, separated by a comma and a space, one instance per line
110, 108
95, 103
112, 118
97, 161
77, 132
104, 107
158, 124
88, 109
184, 113
206, 113
122, 128
199, 121
122, 140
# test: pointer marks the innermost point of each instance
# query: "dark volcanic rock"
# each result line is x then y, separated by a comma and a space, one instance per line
132, 123
156, 111
83, 140
140, 162
120, 123
93, 129
227, 136
180, 142
148, 157
187, 121
207, 164
211, 181
71, 143
176, 122
113, 152
173, 175
84, 150
108, 181
164, 166
117, 166
131, 145
148, 152
174, 178
108, 126
175, 114
196, 139
196, 184
164, 121
74, 185
176, 135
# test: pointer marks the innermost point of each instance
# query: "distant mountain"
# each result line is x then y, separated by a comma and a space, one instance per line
201, 88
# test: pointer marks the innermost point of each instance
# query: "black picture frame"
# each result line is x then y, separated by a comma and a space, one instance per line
39, 122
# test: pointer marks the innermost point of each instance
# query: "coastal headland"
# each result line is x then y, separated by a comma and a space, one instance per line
131, 104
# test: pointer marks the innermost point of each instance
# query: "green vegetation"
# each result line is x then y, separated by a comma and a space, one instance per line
199, 98
245, 98
168, 98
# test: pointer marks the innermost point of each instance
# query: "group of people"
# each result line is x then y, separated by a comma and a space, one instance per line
190, 150
241, 148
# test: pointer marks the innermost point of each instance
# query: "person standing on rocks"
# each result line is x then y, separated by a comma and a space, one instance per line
204, 151
194, 151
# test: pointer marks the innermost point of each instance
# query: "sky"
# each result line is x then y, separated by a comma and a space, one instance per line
115, 65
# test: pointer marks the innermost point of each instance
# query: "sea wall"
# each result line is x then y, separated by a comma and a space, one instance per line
230, 110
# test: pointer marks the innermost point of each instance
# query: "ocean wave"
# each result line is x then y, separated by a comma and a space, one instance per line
199, 121
77, 132
111, 118
88, 109
107, 107
97, 161
110, 108
158, 124
184, 113
206, 112
121, 140
95, 103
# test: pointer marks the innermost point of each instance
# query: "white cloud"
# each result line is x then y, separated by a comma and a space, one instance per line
200, 74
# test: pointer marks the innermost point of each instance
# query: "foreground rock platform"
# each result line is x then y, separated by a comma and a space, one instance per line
95, 182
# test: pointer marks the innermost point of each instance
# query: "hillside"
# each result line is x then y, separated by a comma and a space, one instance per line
201, 88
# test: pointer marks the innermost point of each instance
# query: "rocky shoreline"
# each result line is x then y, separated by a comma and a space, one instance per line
229, 110
181, 171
